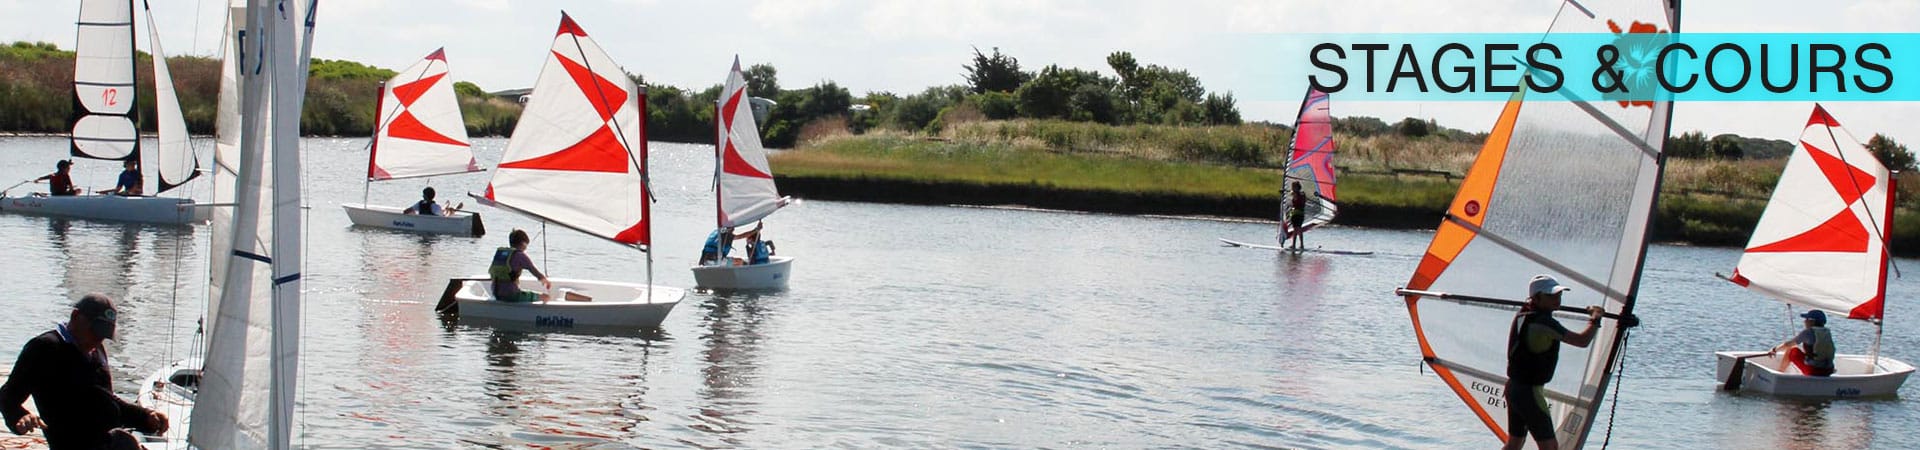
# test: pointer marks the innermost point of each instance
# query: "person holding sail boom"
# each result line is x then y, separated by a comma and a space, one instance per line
1533, 350
1297, 216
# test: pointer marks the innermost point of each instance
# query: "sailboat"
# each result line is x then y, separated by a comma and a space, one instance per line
1309, 165
105, 123
419, 134
240, 393
1822, 244
1523, 209
578, 159
744, 192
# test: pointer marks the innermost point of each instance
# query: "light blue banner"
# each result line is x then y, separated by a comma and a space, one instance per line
1630, 67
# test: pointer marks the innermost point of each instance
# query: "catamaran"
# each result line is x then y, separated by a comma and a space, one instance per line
578, 159
1524, 210
1822, 244
1309, 166
744, 192
105, 123
419, 134
241, 393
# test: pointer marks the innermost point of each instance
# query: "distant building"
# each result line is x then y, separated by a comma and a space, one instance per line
515, 95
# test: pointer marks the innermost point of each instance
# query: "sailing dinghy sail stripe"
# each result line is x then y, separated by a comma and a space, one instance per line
253, 256
1583, 8
105, 24
1611, 124
286, 279
1536, 257
97, 139
99, 84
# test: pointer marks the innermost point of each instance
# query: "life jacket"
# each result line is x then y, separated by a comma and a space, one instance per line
760, 254
1821, 353
1524, 366
424, 207
501, 271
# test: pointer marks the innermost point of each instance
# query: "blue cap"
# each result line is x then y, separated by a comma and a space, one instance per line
1817, 316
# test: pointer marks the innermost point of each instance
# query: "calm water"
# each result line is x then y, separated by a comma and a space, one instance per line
905, 327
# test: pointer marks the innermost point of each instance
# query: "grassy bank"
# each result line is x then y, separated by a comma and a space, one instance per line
1386, 181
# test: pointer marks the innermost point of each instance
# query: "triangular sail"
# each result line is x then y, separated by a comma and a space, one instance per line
105, 121
575, 156
743, 180
246, 395
175, 158
1310, 164
420, 131
1523, 209
1822, 242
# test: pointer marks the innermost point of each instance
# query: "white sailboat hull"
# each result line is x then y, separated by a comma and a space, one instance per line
1854, 376
160, 210
772, 275
170, 391
464, 223
613, 304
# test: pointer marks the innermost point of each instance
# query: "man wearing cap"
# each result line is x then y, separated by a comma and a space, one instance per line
65, 371
1533, 349
1812, 350
60, 183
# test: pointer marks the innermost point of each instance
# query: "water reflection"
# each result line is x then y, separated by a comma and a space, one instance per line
733, 345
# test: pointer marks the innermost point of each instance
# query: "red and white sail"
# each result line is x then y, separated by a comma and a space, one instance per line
421, 132
1311, 165
575, 158
1822, 242
743, 181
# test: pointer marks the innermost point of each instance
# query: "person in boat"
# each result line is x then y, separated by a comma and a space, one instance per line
60, 182
1533, 349
1296, 216
508, 263
130, 180
427, 206
759, 251
1812, 350
719, 244
65, 371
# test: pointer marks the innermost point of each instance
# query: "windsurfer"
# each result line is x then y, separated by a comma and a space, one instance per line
1532, 352
1297, 216
1812, 350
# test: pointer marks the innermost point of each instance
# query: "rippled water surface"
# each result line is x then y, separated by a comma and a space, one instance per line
905, 326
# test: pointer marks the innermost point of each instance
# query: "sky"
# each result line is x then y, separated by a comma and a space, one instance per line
905, 46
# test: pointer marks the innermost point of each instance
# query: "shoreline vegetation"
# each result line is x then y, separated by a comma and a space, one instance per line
1148, 139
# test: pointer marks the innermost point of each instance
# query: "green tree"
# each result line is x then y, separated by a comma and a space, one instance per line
1691, 145
466, 89
1892, 154
1413, 128
997, 73
1220, 110
762, 80
1725, 146
1050, 95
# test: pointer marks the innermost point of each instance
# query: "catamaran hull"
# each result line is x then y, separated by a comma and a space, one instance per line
171, 391
463, 223
160, 210
772, 275
613, 305
1854, 376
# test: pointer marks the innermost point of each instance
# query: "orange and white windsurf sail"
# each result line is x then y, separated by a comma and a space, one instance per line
1822, 242
577, 157
743, 182
1525, 208
420, 133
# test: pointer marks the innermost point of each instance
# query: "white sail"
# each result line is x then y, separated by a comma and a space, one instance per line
1822, 241
226, 162
574, 158
175, 158
742, 179
246, 394
1523, 209
420, 132
104, 124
